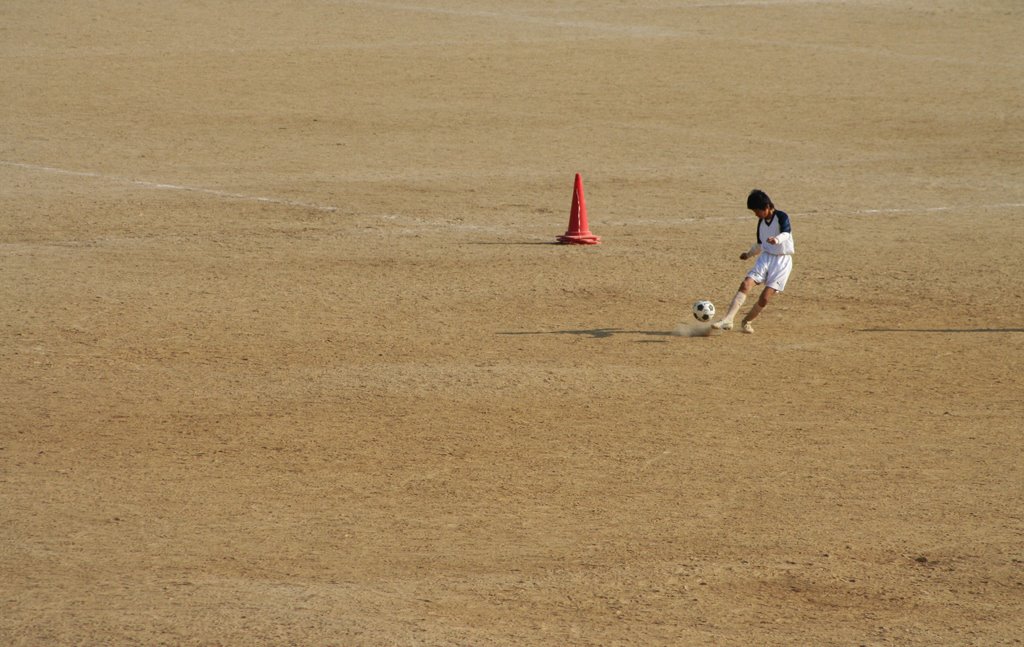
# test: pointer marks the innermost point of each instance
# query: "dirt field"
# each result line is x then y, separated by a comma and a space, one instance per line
288, 357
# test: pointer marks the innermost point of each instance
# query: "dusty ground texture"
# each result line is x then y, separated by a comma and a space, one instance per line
287, 355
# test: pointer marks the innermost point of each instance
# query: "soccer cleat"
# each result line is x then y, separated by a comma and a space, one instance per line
724, 324
747, 328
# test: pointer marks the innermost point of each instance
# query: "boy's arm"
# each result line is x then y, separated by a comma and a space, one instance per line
754, 250
785, 231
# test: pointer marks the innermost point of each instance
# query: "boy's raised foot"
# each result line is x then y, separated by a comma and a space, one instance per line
747, 328
724, 324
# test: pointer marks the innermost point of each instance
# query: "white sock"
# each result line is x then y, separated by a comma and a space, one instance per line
734, 307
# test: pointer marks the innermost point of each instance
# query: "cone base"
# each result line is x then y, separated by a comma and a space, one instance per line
585, 238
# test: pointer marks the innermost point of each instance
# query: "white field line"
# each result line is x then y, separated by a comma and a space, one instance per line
966, 207
515, 16
737, 3
512, 16
172, 187
647, 31
585, 25
687, 221
421, 222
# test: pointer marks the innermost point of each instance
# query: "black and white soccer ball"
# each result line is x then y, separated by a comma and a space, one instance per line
703, 310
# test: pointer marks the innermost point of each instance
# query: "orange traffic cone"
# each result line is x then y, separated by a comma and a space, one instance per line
578, 232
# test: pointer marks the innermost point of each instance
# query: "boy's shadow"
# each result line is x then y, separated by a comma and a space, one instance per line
603, 333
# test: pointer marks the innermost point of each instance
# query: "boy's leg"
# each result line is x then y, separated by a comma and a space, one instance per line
776, 274
726, 322
734, 307
762, 303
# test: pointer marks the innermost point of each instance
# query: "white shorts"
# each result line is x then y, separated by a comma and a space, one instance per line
772, 270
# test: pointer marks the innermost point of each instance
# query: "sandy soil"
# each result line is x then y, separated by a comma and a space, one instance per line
287, 355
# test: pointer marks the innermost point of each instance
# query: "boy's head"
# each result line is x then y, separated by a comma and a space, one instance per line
759, 202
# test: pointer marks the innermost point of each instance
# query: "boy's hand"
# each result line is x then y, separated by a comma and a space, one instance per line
772, 240
744, 256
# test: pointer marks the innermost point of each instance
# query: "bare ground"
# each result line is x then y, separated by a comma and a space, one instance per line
287, 355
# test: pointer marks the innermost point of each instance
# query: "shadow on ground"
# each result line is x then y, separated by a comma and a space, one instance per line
596, 333
941, 330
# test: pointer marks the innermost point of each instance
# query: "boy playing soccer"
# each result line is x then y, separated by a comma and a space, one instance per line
774, 252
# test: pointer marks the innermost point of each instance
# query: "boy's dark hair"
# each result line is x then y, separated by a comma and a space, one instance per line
758, 199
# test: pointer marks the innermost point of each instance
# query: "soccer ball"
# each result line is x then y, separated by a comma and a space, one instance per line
703, 310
